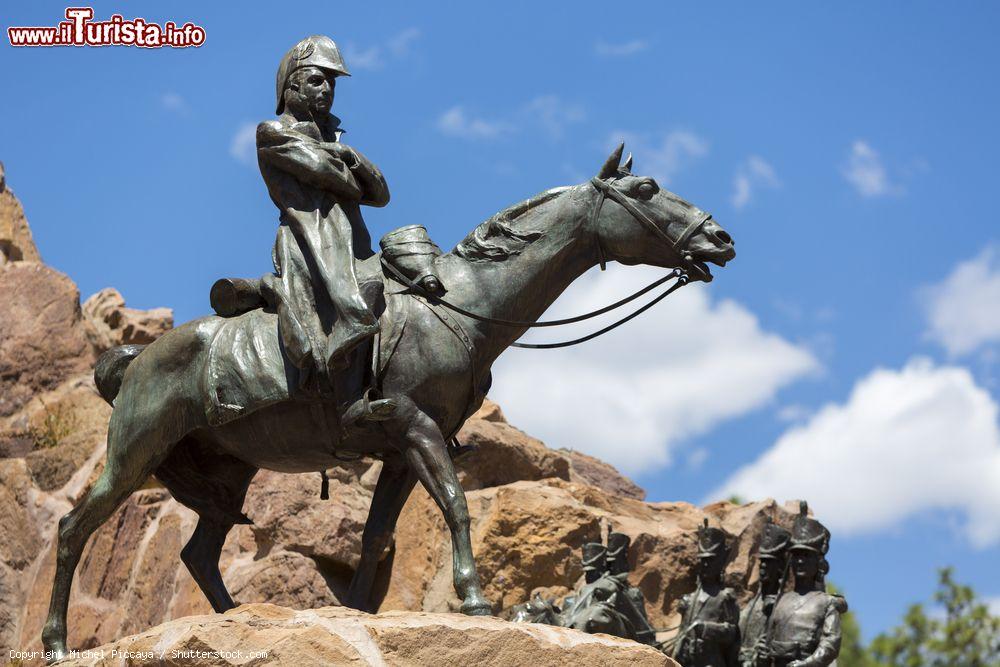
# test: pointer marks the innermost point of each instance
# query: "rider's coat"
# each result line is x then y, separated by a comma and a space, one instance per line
322, 232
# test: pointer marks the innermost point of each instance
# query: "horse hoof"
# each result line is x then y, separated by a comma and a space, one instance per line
477, 607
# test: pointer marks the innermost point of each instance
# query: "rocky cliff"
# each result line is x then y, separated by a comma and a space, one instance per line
532, 508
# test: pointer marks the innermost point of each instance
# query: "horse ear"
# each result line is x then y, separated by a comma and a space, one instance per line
610, 167
627, 166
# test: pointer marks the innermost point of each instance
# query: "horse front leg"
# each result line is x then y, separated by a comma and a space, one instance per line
427, 455
395, 483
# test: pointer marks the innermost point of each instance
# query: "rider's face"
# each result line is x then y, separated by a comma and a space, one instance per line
315, 89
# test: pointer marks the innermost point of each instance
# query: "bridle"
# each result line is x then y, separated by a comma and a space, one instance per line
679, 245
605, 191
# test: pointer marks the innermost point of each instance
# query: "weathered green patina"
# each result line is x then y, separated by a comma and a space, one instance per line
214, 400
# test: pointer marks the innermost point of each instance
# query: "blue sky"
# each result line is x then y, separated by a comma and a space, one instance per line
848, 149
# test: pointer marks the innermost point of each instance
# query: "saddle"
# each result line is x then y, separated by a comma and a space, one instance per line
247, 368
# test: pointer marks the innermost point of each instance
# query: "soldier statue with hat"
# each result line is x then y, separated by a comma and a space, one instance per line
709, 632
633, 602
804, 627
606, 602
318, 184
772, 557
594, 558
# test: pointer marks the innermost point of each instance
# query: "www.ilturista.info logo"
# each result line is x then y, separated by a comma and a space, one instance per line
80, 30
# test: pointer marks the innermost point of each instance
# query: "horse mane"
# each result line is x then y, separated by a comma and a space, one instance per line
496, 239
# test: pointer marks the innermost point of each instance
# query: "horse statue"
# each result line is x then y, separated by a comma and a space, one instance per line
166, 396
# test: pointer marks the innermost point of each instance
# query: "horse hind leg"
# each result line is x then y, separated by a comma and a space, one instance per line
214, 485
395, 483
201, 557
130, 461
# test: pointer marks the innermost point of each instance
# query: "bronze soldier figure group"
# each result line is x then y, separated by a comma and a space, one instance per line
605, 603
780, 626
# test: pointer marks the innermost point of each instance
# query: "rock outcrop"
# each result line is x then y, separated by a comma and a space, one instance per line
16, 243
110, 323
53, 424
338, 636
527, 537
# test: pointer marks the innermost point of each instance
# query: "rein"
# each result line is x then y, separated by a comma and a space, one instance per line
605, 191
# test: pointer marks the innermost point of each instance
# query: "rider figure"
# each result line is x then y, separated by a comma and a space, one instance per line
318, 185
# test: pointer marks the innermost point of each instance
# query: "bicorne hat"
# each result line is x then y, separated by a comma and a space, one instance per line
315, 51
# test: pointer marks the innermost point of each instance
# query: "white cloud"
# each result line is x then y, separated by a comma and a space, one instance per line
621, 49
402, 42
963, 311
456, 122
553, 114
905, 442
243, 146
357, 58
696, 459
793, 413
865, 171
174, 103
631, 396
754, 172
546, 112
662, 157
376, 56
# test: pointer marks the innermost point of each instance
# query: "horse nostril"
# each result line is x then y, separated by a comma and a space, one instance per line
723, 236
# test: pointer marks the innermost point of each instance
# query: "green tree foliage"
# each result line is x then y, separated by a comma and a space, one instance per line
852, 652
966, 634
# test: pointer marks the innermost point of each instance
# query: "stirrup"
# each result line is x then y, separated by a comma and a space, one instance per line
366, 410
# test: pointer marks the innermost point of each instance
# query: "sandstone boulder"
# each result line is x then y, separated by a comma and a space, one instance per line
337, 636
16, 244
42, 342
110, 323
505, 454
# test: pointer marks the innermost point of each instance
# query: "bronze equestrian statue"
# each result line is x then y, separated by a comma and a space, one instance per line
212, 401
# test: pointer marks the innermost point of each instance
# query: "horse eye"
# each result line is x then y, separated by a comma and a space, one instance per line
646, 189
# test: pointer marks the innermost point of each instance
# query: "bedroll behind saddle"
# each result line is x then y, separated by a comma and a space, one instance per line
409, 249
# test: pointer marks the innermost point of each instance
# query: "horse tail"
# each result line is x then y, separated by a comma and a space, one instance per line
110, 369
